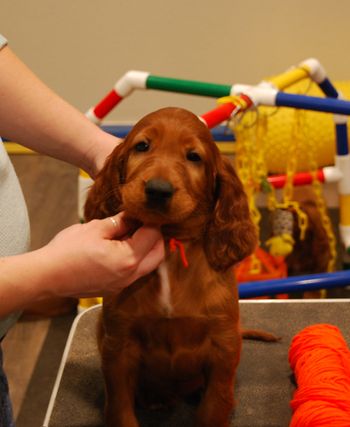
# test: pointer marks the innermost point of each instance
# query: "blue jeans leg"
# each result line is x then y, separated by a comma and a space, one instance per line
6, 417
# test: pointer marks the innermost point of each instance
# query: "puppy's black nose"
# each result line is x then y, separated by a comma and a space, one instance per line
158, 190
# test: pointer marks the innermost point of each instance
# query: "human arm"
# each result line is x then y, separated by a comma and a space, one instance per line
81, 261
34, 116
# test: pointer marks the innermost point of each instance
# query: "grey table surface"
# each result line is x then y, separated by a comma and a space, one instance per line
264, 385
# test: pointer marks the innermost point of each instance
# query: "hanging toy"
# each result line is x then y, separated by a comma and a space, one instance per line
282, 242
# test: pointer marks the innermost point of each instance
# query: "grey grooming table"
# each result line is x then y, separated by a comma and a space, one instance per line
263, 387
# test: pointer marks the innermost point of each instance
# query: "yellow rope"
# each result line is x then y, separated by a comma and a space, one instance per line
250, 164
293, 154
250, 133
292, 158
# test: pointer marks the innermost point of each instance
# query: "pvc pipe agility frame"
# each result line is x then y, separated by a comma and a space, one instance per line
310, 282
268, 93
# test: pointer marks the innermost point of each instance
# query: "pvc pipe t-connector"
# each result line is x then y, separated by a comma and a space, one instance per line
260, 94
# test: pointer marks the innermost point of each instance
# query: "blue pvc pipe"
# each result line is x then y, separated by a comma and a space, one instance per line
310, 282
328, 89
342, 139
327, 105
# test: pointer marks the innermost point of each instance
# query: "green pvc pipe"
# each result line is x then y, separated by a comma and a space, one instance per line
192, 87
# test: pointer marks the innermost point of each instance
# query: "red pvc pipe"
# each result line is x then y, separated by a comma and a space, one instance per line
301, 178
218, 115
223, 112
107, 104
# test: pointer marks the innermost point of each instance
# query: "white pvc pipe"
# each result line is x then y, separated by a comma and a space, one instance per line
130, 81
317, 72
84, 184
344, 231
332, 174
92, 117
260, 95
343, 164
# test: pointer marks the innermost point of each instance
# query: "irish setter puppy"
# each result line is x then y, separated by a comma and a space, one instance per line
176, 330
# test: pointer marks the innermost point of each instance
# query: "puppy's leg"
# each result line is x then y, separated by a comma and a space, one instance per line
120, 373
218, 402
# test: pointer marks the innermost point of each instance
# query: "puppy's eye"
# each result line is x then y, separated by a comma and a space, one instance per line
192, 156
142, 146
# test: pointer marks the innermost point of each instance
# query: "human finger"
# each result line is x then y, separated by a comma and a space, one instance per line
143, 240
152, 259
114, 226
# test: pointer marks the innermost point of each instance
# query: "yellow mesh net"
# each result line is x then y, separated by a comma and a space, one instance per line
320, 130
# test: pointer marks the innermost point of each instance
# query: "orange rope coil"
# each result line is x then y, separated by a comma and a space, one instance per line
320, 359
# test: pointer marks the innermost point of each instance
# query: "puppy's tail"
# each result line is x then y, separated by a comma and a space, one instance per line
257, 335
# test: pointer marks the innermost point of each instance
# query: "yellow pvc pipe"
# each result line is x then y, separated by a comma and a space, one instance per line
344, 209
226, 148
288, 78
85, 303
14, 148
83, 174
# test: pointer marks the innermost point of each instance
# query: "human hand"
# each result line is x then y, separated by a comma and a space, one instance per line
100, 257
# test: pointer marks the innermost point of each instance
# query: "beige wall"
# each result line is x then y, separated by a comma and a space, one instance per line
81, 47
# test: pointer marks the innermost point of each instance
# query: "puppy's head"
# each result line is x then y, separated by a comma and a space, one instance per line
168, 172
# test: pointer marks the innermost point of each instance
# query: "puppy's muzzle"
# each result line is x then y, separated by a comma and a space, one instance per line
158, 193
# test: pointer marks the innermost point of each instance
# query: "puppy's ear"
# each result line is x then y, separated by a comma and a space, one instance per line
230, 235
104, 197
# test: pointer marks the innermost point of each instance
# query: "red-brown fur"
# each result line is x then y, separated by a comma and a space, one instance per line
148, 351
313, 253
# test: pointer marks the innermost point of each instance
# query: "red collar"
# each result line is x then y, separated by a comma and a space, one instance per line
177, 244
